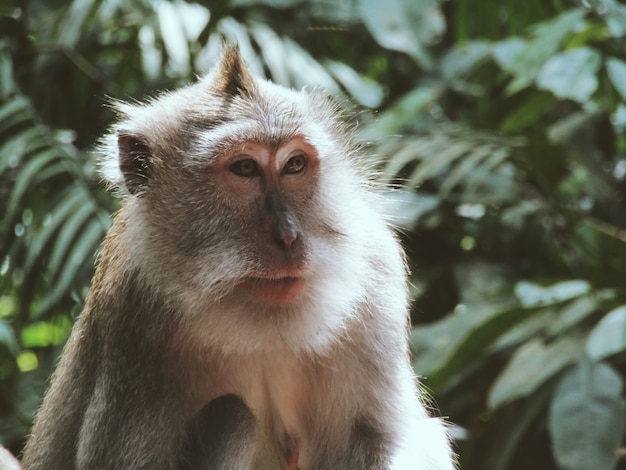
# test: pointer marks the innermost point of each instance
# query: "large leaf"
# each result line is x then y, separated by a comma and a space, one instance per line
72, 201
7, 338
544, 43
609, 335
468, 169
577, 311
366, 92
404, 111
26, 179
571, 74
617, 73
530, 367
36, 158
13, 111
436, 162
404, 25
72, 25
615, 16
506, 51
485, 313
586, 419
180, 24
527, 413
464, 58
80, 258
534, 295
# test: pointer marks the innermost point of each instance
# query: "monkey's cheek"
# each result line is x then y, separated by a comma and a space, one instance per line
276, 291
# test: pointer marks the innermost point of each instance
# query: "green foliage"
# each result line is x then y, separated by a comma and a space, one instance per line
517, 145
589, 394
499, 134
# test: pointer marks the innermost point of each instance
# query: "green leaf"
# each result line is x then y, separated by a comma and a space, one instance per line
464, 58
7, 337
528, 113
487, 311
42, 334
572, 74
26, 177
80, 256
174, 24
7, 84
273, 52
434, 163
531, 366
61, 212
532, 327
505, 52
586, 418
525, 415
577, 311
609, 336
74, 21
443, 349
366, 92
13, 112
66, 236
534, 295
403, 26
270, 3
615, 17
516, 215
545, 42
616, 70
306, 71
412, 149
480, 161
404, 111
17, 146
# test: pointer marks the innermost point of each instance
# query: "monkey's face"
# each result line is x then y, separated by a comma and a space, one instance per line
257, 234
268, 188
246, 208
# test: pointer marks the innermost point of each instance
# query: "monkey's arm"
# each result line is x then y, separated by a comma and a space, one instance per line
52, 444
423, 442
392, 429
116, 400
395, 431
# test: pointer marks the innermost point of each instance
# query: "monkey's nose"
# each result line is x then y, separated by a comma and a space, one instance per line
285, 226
286, 236
288, 240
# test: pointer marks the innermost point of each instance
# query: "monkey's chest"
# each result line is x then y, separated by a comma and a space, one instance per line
282, 407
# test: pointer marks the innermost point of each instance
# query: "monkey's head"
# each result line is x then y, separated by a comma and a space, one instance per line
246, 207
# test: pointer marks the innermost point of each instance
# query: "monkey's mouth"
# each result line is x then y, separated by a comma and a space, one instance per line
275, 291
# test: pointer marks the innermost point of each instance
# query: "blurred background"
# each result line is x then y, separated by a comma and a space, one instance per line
496, 125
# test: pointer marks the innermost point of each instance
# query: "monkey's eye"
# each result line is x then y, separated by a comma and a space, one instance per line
295, 164
246, 168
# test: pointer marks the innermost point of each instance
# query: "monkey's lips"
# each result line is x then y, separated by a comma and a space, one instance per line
275, 291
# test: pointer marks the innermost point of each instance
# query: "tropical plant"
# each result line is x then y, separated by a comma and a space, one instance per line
512, 150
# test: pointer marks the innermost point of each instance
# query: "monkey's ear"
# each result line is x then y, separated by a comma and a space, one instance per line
135, 160
232, 76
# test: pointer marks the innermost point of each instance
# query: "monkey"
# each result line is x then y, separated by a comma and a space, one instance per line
249, 308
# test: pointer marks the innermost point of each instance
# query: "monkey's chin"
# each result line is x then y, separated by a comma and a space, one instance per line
280, 291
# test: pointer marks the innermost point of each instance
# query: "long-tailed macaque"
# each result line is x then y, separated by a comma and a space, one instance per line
249, 307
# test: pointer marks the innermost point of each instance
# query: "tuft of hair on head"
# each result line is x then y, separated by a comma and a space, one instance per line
231, 76
129, 156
